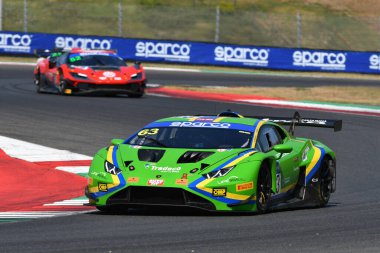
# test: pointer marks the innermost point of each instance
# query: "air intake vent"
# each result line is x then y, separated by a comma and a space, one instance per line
150, 155
193, 156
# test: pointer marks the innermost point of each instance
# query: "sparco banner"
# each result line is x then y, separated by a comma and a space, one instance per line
199, 53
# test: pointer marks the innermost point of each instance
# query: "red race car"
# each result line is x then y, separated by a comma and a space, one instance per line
86, 71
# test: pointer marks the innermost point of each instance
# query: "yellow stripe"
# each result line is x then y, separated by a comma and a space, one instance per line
239, 159
316, 156
218, 119
109, 154
202, 187
115, 183
256, 133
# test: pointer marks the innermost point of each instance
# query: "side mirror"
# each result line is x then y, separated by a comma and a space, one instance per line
283, 148
117, 141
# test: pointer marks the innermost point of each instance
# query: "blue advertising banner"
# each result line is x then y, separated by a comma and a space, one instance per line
186, 52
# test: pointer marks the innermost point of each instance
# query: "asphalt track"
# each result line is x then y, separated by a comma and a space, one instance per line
351, 222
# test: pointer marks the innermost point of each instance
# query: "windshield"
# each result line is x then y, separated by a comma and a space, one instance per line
105, 59
186, 137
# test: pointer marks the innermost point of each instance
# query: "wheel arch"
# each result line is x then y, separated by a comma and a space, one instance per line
271, 162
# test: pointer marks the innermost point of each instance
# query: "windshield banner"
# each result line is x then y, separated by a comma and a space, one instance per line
187, 52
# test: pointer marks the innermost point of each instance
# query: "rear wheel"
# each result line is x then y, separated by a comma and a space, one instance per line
325, 182
264, 188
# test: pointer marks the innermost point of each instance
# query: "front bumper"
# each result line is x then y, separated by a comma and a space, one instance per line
141, 196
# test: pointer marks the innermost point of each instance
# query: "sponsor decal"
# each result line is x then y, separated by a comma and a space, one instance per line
200, 124
98, 174
219, 192
231, 179
156, 182
184, 176
167, 50
182, 181
15, 42
109, 74
131, 167
158, 176
165, 169
320, 59
82, 42
102, 187
374, 62
278, 177
245, 55
244, 187
133, 180
201, 119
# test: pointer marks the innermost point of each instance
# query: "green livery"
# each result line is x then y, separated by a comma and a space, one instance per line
225, 162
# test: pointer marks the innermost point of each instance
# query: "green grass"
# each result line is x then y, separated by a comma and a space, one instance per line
325, 24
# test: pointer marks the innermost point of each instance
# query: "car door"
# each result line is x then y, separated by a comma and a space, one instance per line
287, 171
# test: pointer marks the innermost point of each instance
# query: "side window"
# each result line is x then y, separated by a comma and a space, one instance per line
268, 137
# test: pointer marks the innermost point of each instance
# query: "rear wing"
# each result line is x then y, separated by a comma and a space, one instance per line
296, 120
49, 52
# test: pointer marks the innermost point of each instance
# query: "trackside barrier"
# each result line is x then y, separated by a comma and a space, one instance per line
187, 52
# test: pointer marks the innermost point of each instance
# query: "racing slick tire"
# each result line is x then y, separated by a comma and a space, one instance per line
264, 189
138, 92
37, 82
325, 182
62, 84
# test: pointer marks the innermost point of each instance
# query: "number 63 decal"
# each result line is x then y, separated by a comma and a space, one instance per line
152, 131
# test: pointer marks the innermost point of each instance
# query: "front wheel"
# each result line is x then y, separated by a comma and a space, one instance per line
62, 84
264, 188
37, 82
138, 92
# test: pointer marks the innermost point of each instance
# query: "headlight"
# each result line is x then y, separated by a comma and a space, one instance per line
218, 173
79, 75
136, 76
110, 168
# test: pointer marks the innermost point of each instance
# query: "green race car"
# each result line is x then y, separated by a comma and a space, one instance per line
218, 163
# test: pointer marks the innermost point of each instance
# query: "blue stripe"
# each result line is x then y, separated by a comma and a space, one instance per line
316, 166
114, 156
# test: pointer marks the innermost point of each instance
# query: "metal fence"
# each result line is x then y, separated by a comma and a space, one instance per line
125, 18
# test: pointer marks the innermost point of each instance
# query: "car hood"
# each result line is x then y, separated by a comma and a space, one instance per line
107, 72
